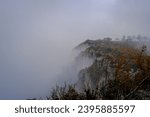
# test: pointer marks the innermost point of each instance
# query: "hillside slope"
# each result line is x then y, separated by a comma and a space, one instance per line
120, 68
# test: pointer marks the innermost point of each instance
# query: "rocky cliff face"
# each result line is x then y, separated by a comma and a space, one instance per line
119, 61
101, 68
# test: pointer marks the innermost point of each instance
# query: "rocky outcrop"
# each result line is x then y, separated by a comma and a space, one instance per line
102, 68
115, 62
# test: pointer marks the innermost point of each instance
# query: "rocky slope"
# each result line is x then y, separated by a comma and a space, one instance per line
123, 62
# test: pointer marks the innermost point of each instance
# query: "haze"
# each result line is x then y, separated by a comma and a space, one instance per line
37, 38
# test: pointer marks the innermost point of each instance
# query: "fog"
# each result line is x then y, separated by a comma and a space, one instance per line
37, 38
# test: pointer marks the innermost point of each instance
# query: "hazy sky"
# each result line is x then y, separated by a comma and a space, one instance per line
36, 37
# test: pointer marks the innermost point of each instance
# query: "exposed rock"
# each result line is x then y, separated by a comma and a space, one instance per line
113, 60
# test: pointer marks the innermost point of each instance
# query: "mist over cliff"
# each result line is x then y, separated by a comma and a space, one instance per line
108, 69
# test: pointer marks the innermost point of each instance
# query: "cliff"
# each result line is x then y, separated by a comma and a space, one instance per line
121, 69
